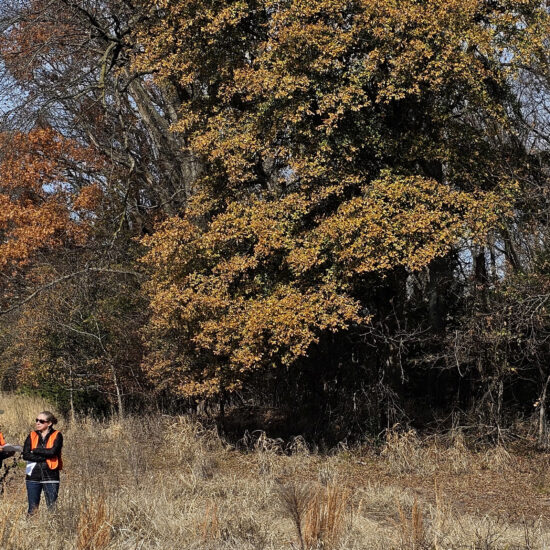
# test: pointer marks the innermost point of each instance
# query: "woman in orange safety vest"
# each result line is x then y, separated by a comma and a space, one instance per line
42, 451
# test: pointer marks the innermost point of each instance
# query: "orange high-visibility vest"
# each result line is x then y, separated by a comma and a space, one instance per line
53, 463
2, 440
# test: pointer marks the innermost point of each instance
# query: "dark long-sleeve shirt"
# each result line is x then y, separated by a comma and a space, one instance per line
42, 472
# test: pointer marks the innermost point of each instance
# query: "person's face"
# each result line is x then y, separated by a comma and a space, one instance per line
42, 422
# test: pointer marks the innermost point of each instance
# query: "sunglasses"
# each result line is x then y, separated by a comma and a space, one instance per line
41, 421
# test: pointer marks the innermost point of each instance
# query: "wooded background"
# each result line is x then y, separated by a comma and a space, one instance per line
332, 215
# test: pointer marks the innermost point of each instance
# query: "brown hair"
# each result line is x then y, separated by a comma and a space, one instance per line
49, 417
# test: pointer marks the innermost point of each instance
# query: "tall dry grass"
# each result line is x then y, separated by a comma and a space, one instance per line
94, 524
326, 517
170, 483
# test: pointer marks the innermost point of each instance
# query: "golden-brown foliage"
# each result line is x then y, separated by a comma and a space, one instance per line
341, 142
258, 288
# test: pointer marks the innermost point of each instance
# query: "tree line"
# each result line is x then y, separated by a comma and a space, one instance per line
337, 210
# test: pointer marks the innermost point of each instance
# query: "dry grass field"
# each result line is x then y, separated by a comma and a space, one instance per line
169, 483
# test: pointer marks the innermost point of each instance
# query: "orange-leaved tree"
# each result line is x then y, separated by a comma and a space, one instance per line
344, 145
41, 207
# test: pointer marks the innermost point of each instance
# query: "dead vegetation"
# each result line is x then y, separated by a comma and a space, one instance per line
170, 483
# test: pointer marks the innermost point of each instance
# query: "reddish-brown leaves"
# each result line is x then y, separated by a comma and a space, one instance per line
39, 204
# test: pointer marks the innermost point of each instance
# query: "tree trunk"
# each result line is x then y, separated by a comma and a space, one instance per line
117, 391
71, 395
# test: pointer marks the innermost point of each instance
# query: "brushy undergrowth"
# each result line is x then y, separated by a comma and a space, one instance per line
170, 483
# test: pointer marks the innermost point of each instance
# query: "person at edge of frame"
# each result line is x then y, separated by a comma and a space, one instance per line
4, 454
42, 451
